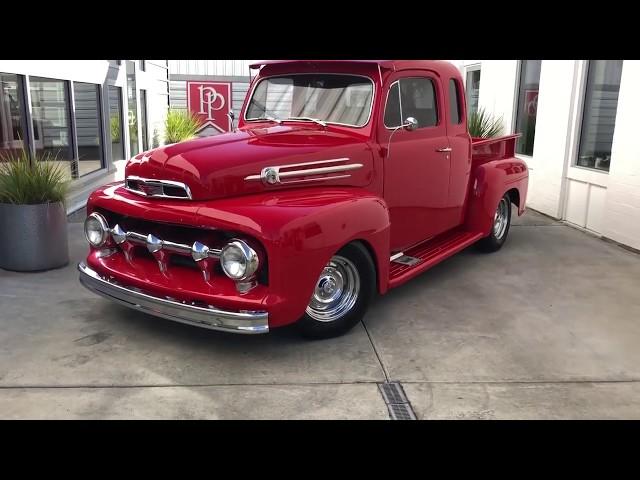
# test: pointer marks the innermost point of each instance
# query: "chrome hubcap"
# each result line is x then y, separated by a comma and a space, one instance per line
336, 291
501, 219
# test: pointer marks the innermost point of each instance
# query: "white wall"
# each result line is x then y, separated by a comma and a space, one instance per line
155, 80
604, 203
553, 136
226, 68
622, 207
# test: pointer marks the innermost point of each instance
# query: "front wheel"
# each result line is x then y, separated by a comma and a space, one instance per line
341, 295
500, 229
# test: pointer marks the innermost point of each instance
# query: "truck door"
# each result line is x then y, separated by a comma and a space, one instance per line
416, 165
460, 155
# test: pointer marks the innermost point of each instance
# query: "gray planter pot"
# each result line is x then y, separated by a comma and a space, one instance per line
33, 237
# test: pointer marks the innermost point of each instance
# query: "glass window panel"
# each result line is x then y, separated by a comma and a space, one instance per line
12, 131
51, 125
392, 116
599, 114
527, 105
115, 123
132, 102
143, 120
454, 102
344, 99
418, 100
86, 98
473, 90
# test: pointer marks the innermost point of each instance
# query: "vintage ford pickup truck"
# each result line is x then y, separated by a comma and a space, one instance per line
343, 179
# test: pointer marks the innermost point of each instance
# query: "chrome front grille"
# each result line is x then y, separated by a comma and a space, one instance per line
171, 246
164, 250
154, 244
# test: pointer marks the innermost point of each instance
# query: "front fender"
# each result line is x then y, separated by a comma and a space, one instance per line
489, 183
300, 231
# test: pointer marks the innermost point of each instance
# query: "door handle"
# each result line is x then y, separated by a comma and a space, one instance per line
443, 150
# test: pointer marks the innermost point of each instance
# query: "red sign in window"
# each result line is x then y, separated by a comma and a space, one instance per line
211, 102
531, 102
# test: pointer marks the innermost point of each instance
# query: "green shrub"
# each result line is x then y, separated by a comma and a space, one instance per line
484, 125
180, 126
115, 129
28, 183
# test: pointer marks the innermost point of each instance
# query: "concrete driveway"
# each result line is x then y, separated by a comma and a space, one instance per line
549, 327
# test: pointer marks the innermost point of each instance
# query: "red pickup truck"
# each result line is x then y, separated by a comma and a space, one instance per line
343, 179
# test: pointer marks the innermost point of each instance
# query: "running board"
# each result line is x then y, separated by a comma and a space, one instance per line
427, 254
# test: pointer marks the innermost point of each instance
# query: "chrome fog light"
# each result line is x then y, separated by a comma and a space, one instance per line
96, 229
239, 261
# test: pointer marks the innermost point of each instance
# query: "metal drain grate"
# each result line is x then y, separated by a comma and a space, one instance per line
401, 411
397, 402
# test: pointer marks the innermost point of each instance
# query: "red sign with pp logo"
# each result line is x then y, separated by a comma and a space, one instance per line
211, 102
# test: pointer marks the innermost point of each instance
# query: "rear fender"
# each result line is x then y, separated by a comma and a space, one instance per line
489, 182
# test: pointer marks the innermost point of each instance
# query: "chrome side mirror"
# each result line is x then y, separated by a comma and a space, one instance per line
410, 124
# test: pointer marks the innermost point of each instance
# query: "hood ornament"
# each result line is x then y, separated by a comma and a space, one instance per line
148, 187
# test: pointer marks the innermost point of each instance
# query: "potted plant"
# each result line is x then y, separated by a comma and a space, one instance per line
180, 126
33, 218
484, 125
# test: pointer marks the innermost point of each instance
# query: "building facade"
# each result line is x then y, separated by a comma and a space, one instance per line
577, 118
90, 115
235, 73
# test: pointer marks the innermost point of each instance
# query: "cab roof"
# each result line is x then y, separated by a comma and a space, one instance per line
393, 65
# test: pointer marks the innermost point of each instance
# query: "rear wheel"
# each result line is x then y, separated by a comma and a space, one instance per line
500, 229
341, 295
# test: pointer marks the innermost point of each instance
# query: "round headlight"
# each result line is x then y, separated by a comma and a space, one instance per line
96, 229
239, 261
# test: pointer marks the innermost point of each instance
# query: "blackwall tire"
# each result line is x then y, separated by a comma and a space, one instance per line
342, 294
500, 227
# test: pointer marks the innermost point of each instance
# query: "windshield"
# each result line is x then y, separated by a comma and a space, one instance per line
331, 98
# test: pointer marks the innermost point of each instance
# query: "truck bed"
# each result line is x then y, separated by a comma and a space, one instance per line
488, 149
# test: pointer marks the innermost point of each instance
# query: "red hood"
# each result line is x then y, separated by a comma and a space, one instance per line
215, 167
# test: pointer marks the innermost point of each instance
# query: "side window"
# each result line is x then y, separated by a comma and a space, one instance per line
392, 117
418, 100
454, 102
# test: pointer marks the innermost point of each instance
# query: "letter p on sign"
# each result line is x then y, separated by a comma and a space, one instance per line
210, 101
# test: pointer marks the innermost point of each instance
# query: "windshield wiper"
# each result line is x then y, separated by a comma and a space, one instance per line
269, 118
308, 119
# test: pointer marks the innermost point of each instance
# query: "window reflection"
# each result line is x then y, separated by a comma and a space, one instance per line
50, 114
528, 105
143, 120
11, 114
599, 114
89, 138
473, 90
115, 123
132, 102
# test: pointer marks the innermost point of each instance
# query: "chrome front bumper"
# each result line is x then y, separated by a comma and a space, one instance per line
212, 318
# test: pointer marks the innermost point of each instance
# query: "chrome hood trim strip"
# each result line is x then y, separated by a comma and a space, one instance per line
276, 176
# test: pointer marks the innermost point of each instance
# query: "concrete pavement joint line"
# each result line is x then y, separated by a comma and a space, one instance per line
397, 402
375, 350
516, 382
194, 385
310, 384
545, 225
